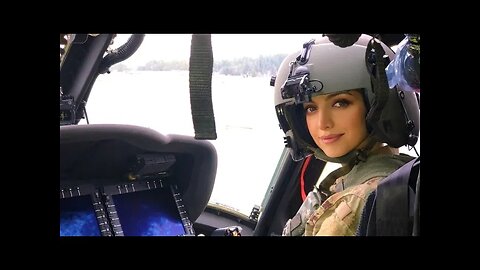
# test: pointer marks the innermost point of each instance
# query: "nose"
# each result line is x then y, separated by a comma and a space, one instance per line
324, 119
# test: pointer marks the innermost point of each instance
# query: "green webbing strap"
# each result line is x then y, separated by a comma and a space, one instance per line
354, 157
329, 180
379, 81
200, 76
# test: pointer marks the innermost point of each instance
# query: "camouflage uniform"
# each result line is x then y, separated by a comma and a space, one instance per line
340, 213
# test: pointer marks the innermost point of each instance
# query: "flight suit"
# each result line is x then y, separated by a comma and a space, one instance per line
340, 213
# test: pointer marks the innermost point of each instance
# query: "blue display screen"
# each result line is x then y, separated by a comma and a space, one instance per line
77, 217
148, 213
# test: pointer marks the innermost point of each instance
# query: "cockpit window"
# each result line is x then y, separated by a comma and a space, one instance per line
151, 89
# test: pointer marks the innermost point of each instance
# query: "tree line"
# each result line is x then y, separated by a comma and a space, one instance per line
246, 66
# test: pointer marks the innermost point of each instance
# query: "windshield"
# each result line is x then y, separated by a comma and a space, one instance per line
151, 89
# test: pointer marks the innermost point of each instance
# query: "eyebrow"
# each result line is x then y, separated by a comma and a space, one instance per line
330, 96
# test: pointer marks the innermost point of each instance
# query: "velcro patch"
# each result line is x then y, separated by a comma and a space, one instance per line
342, 210
296, 221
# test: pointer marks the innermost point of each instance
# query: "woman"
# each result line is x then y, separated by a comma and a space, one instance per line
334, 102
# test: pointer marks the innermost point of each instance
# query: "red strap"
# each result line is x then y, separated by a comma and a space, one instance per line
302, 181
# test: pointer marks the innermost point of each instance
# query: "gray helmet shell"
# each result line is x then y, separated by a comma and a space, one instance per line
339, 69
342, 69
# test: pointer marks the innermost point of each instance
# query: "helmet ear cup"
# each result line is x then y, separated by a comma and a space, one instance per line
282, 119
299, 126
411, 105
301, 138
399, 122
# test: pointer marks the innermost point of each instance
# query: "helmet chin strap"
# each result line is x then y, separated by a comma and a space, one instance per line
348, 160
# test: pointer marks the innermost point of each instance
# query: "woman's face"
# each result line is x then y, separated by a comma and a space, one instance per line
336, 122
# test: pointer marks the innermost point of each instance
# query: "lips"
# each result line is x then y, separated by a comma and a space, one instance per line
330, 138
